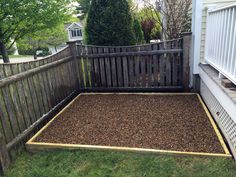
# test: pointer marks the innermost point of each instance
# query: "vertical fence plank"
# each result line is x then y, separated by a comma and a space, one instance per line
5, 122
143, 69
119, 69
43, 90
162, 65
10, 110
46, 87
149, 63
102, 68
57, 82
4, 156
131, 68
108, 68
15, 99
38, 92
22, 98
137, 69
91, 68
155, 67
28, 96
35, 102
125, 68
96, 69
80, 67
9, 105
113, 68
49, 82
86, 68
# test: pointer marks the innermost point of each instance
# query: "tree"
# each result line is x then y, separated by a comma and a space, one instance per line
175, 16
83, 8
138, 33
109, 22
21, 17
56, 36
150, 27
43, 39
32, 42
147, 27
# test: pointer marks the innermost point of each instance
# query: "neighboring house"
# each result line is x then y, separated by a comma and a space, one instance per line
75, 31
214, 61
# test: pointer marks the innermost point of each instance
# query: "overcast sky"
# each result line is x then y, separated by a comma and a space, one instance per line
140, 2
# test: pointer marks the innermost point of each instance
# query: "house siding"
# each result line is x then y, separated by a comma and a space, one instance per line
207, 3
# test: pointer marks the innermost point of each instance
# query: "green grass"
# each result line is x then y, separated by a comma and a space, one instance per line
106, 164
19, 56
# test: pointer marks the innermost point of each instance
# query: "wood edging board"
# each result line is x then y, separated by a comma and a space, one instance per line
37, 146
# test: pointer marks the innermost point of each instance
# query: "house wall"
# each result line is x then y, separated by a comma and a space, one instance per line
205, 5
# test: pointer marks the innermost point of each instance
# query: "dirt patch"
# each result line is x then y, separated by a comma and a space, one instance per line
143, 121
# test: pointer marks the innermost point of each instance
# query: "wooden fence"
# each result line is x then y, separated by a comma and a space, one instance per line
31, 92
152, 67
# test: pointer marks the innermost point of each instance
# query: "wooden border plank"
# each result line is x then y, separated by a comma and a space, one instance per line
31, 145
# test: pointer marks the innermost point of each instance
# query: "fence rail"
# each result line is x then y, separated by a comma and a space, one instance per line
221, 41
32, 92
11, 68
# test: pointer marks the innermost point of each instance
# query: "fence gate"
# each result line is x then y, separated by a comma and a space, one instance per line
153, 67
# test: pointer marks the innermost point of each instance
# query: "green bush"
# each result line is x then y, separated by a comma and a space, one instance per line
109, 22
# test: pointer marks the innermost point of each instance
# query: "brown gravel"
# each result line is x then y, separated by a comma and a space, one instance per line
145, 121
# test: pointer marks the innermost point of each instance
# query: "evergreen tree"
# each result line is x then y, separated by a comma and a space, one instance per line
109, 22
139, 38
83, 8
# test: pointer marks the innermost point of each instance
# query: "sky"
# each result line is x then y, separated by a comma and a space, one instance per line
141, 4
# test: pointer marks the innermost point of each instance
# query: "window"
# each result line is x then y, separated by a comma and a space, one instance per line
76, 32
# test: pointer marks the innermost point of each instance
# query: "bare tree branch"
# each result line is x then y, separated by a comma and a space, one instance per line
175, 16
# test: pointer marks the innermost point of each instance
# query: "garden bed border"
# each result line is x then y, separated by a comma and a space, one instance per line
38, 146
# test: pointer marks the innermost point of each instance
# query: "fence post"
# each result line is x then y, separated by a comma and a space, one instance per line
74, 53
187, 37
4, 156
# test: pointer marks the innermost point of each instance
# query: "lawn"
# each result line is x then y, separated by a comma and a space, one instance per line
18, 56
108, 164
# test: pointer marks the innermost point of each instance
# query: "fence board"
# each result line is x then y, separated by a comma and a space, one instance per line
37, 92
102, 68
119, 69
42, 89
113, 69
130, 60
108, 68
28, 95
125, 68
96, 69
22, 98
15, 100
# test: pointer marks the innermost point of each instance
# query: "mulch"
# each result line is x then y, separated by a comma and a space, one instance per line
162, 122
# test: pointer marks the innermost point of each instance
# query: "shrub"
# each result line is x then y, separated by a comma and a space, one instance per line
109, 22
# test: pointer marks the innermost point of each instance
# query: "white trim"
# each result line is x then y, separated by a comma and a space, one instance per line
222, 8
74, 23
223, 99
196, 31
